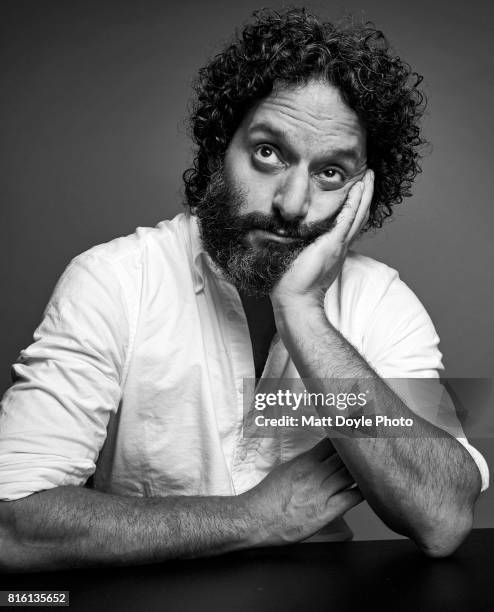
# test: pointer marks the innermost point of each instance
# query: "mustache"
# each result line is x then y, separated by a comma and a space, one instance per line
221, 205
304, 232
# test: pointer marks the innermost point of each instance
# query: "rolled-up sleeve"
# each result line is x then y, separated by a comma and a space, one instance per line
402, 345
67, 383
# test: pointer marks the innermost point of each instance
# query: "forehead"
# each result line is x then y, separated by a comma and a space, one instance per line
311, 116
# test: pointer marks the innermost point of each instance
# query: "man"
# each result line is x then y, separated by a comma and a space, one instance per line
307, 134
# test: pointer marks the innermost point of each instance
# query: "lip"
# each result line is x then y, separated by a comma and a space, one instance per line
265, 235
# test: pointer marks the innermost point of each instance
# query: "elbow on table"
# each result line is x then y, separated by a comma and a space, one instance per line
446, 535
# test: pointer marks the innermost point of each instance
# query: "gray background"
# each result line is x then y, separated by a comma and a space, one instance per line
93, 99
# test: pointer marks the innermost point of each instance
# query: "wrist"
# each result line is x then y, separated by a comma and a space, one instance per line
258, 518
295, 310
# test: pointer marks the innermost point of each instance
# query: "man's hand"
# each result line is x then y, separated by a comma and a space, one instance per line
69, 527
301, 496
317, 266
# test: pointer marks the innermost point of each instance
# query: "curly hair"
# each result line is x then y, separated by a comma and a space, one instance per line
292, 47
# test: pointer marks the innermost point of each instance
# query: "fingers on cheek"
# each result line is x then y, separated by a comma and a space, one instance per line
366, 219
347, 193
341, 200
363, 221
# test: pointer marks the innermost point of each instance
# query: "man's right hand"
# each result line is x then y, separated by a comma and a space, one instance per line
299, 497
68, 527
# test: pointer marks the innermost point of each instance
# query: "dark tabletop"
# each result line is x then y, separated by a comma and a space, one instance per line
381, 575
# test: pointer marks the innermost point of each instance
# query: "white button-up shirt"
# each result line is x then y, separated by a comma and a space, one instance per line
136, 371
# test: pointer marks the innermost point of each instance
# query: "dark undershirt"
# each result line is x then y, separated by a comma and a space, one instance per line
260, 318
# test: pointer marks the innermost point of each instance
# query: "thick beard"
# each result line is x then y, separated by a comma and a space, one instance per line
253, 270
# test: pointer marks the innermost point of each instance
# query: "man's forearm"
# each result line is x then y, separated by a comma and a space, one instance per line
422, 486
77, 527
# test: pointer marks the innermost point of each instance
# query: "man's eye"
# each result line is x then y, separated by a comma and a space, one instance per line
332, 176
267, 155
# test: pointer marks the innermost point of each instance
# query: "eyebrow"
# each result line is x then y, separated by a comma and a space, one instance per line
349, 153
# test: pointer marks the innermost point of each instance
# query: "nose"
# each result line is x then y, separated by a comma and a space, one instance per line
292, 197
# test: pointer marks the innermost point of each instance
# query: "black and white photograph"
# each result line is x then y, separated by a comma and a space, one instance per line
246, 317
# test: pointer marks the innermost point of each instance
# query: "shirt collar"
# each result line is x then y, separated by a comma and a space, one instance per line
198, 252
202, 263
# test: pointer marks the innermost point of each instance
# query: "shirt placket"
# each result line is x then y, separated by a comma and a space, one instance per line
243, 472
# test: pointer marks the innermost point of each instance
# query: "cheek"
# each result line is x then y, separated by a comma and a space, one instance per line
260, 189
256, 190
327, 203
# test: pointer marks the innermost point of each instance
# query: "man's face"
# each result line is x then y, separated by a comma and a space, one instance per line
286, 175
